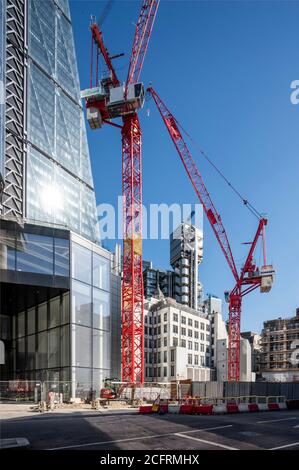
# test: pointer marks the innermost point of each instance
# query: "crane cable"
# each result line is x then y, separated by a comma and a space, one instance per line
245, 201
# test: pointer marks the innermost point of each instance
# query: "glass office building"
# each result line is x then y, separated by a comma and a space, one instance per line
55, 302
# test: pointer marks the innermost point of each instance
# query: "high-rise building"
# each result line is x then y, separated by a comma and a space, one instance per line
280, 349
158, 281
56, 282
46, 160
186, 252
181, 284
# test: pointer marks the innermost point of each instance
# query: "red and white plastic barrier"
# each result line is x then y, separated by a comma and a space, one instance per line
196, 408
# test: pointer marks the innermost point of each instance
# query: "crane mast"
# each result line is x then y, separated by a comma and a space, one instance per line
108, 99
250, 276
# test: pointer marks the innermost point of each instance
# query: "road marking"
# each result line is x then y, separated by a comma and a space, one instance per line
287, 445
211, 443
275, 420
139, 438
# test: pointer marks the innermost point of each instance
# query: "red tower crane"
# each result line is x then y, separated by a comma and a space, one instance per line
250, 276
107, 99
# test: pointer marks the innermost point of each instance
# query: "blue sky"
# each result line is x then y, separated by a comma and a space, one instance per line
224, 69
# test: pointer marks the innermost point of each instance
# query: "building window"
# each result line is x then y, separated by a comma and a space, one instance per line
196, 360
202, 348
81, 304
175, 317
172, 352
101, 310
165, 328
202, 336
202, 326
189, 345
81, 263
196, 324
183, 320
165, 316
159, 319
195, 346
183, 331
175, 328
190, 334
35, 254
208, 337
190, 359
145, 330
172, 371
101, 272
165, 356
165, 371
183, 343
174, 341
42, 317
190, 322
196, 334
83, 342
202, 361
165, 341
62, 257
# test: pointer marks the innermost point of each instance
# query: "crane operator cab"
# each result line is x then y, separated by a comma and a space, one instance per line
108, 102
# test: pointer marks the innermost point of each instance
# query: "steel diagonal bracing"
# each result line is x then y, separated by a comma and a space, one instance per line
13, 196
132, 286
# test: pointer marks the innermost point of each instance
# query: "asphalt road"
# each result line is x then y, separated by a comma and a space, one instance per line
121, 430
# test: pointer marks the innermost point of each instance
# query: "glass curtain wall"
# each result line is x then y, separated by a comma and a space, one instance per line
90, 319
59, 178
41, 341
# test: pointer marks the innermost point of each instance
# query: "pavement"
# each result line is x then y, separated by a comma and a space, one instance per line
127, 430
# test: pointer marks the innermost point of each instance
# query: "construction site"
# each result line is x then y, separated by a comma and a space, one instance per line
92, 336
